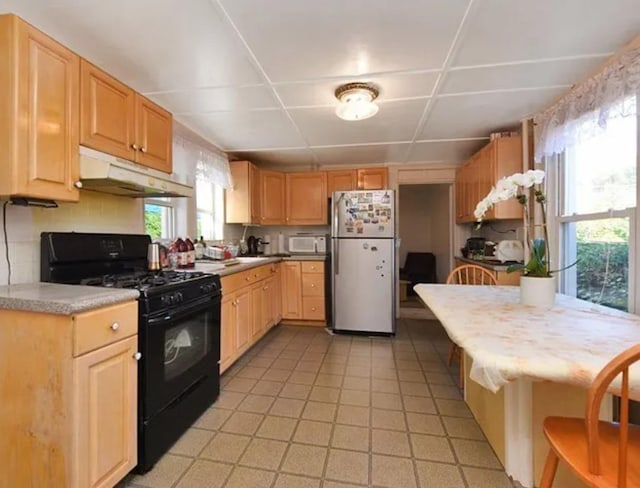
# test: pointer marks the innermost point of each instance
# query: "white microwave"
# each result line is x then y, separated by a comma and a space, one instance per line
308, 244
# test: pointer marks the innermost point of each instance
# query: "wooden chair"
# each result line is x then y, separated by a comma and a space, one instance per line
600, 453
467, 274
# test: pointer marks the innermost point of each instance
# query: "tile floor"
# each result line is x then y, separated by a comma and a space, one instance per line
304, 409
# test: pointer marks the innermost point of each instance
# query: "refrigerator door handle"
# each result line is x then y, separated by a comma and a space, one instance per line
336, 256
336, 246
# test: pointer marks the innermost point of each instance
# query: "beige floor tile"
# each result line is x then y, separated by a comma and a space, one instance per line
242, 423
261, 362
240, 385
229, 399
409, 375
293, 481
348, 466
324, 412
356, 383
355, 397
226, 447
247, 477
306, 460
388, 419
292, 353
424, 424
475, 453
324, 394
440, 475
312, 432
295, 390
264, 453
308, 366
439, 379
350, 415
251, 372
414, 389
264, 387
453, 408
332, 368
446, 392
165, 473
406, 356
280, 428
287, 407
339, 484
281, 363
302, 378
212, 418
463, 428
385, 386
390, 442
481, 478
384, 373
273, 374
388, 401
350, 437
331, 380
205, 473
408, 365
256, 403
392, 472
359, 371
192, 442
432, 448
419, 404
314, 353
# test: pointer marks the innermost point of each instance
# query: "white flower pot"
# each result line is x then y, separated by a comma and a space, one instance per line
539, 292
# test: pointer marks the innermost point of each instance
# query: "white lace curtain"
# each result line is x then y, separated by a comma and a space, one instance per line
584, 112
193, 162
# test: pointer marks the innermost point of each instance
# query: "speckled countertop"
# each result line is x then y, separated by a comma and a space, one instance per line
222, 270
61, 299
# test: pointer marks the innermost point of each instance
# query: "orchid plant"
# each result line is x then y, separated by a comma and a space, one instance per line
523, 186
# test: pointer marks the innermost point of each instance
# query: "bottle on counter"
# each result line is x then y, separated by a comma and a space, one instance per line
173, 256
200, 246
191, 253
181, 246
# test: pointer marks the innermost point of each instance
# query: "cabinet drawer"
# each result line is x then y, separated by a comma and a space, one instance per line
98, 328
233, 282
312, 266
313, 308
312, 285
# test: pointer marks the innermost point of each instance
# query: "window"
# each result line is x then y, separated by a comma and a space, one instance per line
210, 210
159, 218
596, 214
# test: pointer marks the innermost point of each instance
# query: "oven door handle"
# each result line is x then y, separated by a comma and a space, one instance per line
200, 306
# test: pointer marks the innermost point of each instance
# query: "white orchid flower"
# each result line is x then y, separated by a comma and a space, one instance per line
537, 175
518, 179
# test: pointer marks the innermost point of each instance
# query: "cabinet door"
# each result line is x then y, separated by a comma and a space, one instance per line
372, 178
154, 135
227, 332
272, 197
291, 290
341, 180
243, 307
307, 198
507, 160
257, 311
238, 197
459, 188
107, 109
46, 113
255, 193
105, 414
276, 294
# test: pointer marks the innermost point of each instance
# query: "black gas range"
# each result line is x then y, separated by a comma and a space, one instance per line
178, 328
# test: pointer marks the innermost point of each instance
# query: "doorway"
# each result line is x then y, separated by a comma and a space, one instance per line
425, 225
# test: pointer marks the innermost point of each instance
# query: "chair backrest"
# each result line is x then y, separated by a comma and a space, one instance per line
471, 274
618, 365
421, 264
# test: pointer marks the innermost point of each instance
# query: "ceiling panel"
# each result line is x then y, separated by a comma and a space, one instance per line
390, 87
246, 130
298, 40
152, 45
279, 156
444, 151
396, 121
527, 75
362, 155
216, 99
502, 31
479, 115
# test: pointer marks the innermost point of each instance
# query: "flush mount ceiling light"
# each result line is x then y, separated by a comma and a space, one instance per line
356, 101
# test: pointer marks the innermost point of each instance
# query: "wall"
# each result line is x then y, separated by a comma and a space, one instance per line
424, 223
233, 232
95, 212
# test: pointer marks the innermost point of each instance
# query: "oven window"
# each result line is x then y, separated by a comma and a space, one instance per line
185, 345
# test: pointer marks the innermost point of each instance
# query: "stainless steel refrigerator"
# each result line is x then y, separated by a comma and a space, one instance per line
363, 261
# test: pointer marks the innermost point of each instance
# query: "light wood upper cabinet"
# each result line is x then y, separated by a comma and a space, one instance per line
39, 123
306, 200
341, 180
372, 178
272, 198
291, 290
117, 120
106, 414
243, 198
107, 116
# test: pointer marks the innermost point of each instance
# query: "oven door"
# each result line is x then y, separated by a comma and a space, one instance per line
180, 348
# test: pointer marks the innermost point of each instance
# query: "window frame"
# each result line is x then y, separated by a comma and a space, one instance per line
168, 204
217, 215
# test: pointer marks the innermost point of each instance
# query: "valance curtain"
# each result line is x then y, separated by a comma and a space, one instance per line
193, 162
584, 112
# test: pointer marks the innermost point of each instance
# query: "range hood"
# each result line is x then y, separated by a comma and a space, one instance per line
109, 174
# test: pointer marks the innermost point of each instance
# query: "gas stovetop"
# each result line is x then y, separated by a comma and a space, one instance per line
143, 280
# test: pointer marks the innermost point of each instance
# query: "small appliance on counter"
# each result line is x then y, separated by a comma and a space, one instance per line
308, 244
509, 251
474, 248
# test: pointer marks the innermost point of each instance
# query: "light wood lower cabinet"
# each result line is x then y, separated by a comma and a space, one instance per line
303, 295
69, 410
291, 290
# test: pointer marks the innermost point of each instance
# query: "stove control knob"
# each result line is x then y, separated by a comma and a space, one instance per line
179, 297
164, 299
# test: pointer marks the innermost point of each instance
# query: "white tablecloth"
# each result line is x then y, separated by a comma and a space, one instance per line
569, 343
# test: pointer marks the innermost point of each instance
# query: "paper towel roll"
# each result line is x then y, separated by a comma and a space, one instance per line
281, 246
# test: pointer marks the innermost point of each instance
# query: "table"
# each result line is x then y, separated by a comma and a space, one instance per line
526, 363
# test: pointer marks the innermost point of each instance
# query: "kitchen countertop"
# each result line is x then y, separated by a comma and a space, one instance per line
495, 265
61, 299
222, 270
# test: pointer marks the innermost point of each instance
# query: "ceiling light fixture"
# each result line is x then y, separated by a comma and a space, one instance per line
356, 101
